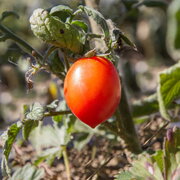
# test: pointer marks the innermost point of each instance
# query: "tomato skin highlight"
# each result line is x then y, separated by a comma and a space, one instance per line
92, 90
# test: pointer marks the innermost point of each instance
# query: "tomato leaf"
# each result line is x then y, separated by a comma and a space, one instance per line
28, 172
29, 125
53, 105
34, 112
145, 106
173, 29
54, 31
98, 17
80, 24
126, 175
168, 89
172, 154
62, 12
52, 138
162, 164
56, 65
8, 138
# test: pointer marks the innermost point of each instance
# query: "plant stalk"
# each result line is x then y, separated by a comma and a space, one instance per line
126, 126
56, 113
66, 162
10, 35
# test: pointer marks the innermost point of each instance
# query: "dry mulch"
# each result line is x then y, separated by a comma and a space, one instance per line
100, 159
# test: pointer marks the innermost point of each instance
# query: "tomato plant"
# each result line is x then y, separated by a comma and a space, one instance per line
92, 89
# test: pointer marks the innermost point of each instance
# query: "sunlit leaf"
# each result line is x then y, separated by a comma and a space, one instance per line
34, 112
28, 172
56, 32
157, 166
169, 88
62, 12
8, 138
29, 125
98, 17
80, 24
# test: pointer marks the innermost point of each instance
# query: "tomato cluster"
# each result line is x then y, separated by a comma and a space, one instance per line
92, 90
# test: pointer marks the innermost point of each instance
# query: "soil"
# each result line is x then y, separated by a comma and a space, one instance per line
99, 159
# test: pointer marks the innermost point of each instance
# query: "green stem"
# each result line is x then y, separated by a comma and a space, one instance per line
66, 62
56, 113
66, 162
126, 126
20, 41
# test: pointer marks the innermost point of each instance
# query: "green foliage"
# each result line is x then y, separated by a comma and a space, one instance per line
28, 172
51, 29
8, 138
59, 27
118, 35
169, 88
34, 112
29, 125
56, 65
52, 140
62, 12
147, 105
173, 29
98, 17
163, 164
80, 24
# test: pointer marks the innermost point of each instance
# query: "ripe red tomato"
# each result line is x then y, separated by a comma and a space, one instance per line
92, 90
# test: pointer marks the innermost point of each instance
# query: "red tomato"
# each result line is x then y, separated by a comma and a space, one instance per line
92, 90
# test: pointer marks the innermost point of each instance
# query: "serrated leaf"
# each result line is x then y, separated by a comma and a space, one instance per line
28, 172
52, 139
9, 137
48, 155
80, 24
29, 125
35, 112
171, 152
62, 12
51, 136
6, 14
164, 164
173, 29
98, 17
60, 34
168, 89
53, 105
